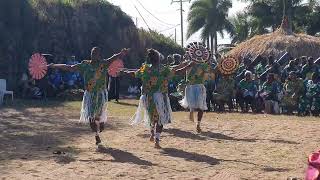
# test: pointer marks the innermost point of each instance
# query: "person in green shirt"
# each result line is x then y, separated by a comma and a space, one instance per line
154, 101
195, 92
311, 101
269, 93
94, 103
308, 69
293, 91
224, 92
247, 94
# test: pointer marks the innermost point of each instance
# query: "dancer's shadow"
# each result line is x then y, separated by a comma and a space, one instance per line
126, 104
225, 137
124, 157
183, 134
190, 156
281, 141
204, 135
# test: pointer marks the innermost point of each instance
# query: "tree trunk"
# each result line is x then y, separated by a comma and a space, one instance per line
211, 39
208, 43
215, 42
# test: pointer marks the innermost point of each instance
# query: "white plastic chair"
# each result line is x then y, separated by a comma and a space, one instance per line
3, 90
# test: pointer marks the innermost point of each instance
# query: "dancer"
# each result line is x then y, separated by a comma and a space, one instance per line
94, 103
154, 101
195, 93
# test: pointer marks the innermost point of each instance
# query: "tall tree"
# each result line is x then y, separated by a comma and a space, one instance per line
211, 17
241, 27
268, 14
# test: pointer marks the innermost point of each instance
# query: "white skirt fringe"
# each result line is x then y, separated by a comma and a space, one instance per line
86, 109
163, 107
195, 97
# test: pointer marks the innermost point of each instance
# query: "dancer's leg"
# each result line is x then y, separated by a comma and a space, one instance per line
200, 115
158, 130
97, 123
152, 129
191, 118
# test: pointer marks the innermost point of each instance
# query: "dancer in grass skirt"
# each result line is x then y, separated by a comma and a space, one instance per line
154, 106
95, 98
195, 92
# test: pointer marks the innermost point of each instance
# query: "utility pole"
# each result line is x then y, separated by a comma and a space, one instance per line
181, 14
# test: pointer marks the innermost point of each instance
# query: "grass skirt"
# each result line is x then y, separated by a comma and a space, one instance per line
94, 105
195, 97
163, 107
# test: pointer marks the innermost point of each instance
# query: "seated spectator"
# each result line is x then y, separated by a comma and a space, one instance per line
224, 92
55, 81
261, 67
269, 93
287, 69
71, 81
311, 101
308, 69
244, 67
35, 91
293, 91
247, 92
24, 85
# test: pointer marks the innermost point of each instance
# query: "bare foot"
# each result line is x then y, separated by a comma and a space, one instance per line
157, 145
199, 129
151, 138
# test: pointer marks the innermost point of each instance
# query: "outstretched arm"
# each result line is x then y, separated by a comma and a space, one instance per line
119, 55
131, 72
184, 68
64, 67
181, 65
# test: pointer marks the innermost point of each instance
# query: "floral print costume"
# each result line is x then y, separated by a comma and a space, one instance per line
96, 96
155, 93
195, 93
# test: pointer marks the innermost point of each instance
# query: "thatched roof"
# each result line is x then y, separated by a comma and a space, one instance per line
277, 43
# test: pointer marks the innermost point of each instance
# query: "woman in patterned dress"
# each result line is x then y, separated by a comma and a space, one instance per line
94, 103
154, 101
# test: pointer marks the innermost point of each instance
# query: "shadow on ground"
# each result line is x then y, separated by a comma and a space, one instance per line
219, 136
124, 157
190, 156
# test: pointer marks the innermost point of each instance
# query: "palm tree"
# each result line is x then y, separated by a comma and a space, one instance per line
269, 13
211, 17
241, 27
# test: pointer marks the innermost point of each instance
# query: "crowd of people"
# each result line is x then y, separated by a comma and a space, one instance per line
267, 86
289, 88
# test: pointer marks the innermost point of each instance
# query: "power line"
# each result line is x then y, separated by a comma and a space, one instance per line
154, 15
169, 28
142, 18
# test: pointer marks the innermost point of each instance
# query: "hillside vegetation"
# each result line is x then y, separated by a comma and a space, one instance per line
69, 27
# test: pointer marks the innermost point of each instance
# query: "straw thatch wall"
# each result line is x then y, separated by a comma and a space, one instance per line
277, 43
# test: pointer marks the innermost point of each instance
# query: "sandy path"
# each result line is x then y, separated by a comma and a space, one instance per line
232, 146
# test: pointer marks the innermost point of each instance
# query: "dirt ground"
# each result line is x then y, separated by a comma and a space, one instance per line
232, 146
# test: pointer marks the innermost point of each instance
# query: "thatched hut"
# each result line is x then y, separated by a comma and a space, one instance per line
277, 43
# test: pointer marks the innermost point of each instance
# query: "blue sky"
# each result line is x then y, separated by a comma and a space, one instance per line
168, 14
